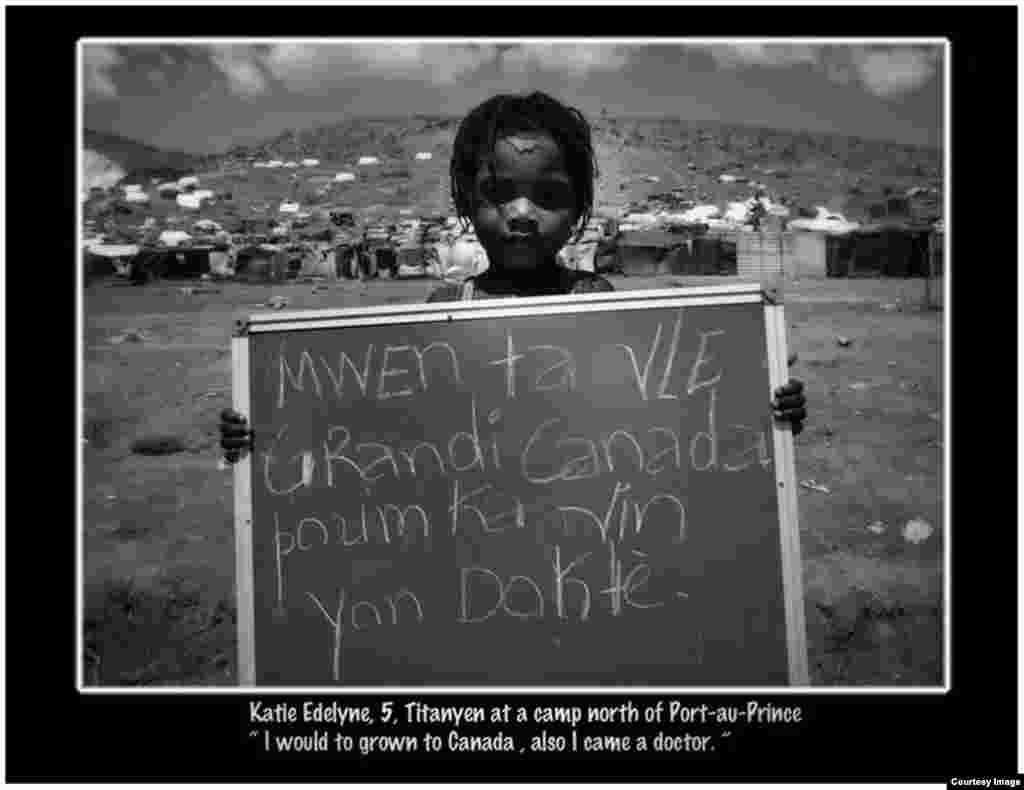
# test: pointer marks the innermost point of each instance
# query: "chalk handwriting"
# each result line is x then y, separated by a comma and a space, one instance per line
307, 380
709, 437
702, 359
337, 622
484, 593
497, 522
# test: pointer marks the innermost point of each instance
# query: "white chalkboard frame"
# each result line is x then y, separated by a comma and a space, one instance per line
739, 293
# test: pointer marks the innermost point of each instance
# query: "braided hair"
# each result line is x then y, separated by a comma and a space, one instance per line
504, 114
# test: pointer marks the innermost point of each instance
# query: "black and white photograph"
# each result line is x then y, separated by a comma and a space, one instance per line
513, 363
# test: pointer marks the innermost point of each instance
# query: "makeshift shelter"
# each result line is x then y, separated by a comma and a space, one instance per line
881, 251
222, 263
807, 255
153, 263
423, 156
288, 207
759, 254
172, 238
275, 163
188, 182
646, 252
345, 177
189, 202
368, 160
107, 260
411, 261
310, 162
167, 190
207, 226
263, 263
320, 262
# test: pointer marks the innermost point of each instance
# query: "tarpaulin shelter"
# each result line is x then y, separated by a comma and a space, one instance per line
896, 250
319, 262
646, 252
263, 263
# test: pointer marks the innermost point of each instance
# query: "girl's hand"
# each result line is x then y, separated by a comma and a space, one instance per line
235, 436
788, 405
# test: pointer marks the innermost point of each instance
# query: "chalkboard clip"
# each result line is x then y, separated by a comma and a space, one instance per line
241, 327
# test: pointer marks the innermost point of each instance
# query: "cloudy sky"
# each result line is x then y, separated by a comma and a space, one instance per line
203, 98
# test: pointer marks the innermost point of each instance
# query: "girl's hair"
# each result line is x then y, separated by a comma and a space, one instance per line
505, 114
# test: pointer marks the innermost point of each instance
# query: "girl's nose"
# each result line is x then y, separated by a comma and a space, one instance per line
521, 208
520, 216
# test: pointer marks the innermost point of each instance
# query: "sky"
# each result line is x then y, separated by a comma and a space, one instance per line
203, 98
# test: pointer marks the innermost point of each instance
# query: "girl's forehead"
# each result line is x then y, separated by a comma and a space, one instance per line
531, 149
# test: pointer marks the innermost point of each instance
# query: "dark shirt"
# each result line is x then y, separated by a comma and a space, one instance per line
490, 286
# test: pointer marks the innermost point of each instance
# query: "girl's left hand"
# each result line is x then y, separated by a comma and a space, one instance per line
788, 405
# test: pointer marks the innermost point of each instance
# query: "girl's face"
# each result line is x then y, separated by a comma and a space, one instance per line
524, 202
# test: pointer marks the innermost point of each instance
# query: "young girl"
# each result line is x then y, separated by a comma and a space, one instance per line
523, 171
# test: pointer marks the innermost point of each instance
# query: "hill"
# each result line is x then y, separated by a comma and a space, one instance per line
139, 160
637, 157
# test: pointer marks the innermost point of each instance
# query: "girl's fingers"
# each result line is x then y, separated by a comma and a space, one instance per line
789, 402
231, 416
792, 387
227, 429
791, 415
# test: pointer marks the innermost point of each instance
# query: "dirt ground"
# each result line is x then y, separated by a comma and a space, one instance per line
157, 530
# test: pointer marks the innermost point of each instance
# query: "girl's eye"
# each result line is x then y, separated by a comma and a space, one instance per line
554, 196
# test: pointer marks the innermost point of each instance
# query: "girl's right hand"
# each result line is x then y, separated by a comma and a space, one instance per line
235, 436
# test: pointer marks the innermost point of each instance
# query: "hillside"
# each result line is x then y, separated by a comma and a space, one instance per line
139, 160
636, 158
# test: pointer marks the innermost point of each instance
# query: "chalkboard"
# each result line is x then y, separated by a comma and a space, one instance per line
578, 491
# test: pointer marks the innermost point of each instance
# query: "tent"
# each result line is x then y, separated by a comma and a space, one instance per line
825, 221
291, 164
189, 202
423, 156
345, 177
187, 182
156, 264
646, 252
274, 163
808, 255
368, 160
263, 263
222, 263
320, 262
288, 207
167, 190
172, 238
310, 162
